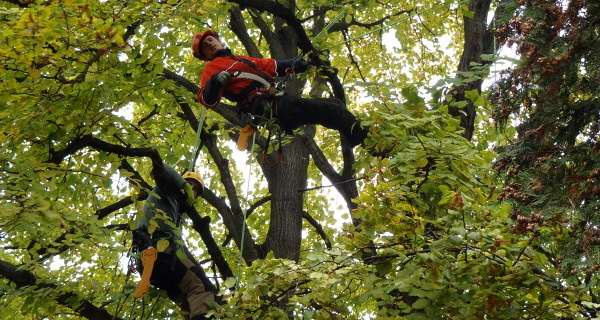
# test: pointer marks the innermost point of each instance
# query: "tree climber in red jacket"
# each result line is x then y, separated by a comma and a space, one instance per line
249, 82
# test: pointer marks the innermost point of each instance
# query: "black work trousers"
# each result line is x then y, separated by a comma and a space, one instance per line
293, 112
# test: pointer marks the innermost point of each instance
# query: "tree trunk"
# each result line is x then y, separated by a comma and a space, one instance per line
478, 41
285, 230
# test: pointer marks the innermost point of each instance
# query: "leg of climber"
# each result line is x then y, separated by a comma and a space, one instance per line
182, 284
294, 112
191, 289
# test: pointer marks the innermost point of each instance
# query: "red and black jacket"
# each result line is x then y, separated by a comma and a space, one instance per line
238, 89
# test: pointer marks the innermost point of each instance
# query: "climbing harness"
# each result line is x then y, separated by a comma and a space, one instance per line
260, 109
255, 100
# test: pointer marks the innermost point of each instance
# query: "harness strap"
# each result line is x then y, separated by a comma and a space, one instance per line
253, 96
261, 77
265, 76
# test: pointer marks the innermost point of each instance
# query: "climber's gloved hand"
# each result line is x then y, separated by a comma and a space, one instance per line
189, 192
223, 78
302, 65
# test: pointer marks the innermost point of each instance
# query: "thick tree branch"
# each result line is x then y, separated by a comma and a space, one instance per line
257, 205
202, 226
89, 141
136, 178
238, 26
276, 43
19, 3
317, 227
346, 186
83, 307
125, 202
228, 112
343, 25
181, 81
249, 211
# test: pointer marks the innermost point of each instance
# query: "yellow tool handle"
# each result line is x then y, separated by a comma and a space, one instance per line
148, 257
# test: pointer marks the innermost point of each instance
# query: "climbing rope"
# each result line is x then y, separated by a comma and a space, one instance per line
330, 24
194, 155
237, 284
265, 154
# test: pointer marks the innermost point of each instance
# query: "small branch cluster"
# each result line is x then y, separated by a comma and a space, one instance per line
525, 224
591, 238
514, 191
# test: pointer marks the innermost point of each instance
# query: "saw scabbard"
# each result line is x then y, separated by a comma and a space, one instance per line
245, 133
148, 257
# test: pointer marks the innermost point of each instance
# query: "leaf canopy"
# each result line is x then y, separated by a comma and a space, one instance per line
444, 227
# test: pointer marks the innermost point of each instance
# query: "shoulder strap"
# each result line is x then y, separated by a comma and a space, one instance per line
253, 66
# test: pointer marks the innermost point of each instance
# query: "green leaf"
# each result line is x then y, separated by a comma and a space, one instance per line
162, 245
230, 282
421, 303
473, 235
455, 240
384, 268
